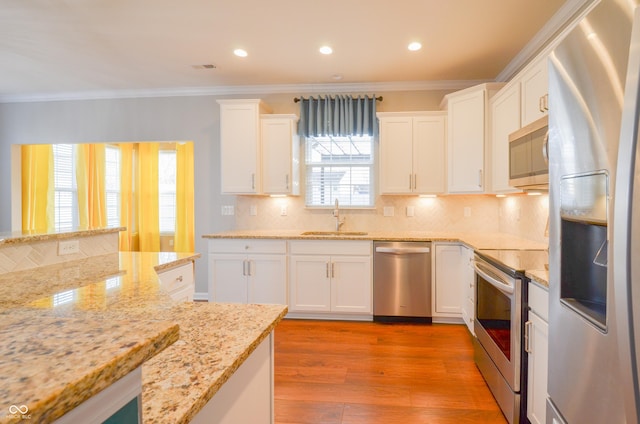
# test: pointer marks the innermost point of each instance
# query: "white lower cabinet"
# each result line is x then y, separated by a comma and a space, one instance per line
447, 282
179, 282
330, 277
248, 271
468, 302
537, 344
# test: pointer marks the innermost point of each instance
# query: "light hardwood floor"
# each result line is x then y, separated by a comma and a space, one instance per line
357, 372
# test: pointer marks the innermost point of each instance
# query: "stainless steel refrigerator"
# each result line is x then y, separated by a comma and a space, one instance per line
594, 211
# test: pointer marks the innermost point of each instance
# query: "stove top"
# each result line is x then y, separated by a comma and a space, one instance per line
518, 260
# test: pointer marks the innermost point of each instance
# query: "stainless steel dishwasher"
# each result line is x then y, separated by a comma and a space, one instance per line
402, 281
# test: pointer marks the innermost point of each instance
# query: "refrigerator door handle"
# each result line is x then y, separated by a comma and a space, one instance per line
626, 273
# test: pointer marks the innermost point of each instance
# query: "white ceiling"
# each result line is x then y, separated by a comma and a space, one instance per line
73, 46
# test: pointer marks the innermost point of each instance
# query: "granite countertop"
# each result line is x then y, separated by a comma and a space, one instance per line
532, 263
119, 296
32, 236
475, 240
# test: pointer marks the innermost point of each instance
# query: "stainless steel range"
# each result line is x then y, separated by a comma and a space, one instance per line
498, 349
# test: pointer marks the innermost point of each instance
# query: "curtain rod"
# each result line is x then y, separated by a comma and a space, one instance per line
297, 99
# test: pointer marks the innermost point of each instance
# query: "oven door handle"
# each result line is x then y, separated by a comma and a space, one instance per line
492, 278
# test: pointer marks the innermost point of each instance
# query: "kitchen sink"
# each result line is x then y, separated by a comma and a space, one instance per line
334, 233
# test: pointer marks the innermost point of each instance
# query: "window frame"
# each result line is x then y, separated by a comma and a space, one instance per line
162, 152
341, 161
58, 189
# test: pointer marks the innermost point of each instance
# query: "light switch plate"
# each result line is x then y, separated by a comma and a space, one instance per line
411, 211
388, 211
253, 210
467, 211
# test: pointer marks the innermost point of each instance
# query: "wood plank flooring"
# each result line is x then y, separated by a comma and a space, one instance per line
359, 372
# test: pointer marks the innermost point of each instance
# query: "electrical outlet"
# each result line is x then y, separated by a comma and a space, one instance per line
253, 210
68, 247
388, 211
227, 210
467, 211
411, 211
283, 210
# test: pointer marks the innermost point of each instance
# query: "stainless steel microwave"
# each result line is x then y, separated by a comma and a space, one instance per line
528, 156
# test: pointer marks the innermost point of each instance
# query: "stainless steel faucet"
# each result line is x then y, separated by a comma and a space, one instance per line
336, 215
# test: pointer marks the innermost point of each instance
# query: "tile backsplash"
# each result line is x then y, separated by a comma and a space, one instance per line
29, 255
520, 215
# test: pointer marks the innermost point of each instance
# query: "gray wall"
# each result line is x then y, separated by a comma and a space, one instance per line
194, 118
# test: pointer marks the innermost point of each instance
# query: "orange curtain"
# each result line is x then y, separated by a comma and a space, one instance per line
37, 188
184, 235
147, 194
90, 179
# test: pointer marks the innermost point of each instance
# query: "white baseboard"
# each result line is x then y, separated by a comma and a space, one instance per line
201, 296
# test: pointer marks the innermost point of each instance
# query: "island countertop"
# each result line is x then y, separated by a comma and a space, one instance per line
214, 339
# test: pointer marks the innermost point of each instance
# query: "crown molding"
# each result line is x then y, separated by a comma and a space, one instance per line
545, 39
242, 90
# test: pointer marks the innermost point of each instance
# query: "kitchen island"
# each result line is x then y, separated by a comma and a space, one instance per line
76, 327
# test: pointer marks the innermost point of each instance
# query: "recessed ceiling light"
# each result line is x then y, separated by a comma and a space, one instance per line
326, 50
240, 53
414, 46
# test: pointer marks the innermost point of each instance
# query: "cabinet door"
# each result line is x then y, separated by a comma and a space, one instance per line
278, 156
351, 284
239, 147
505, 119
448, 280
429, 156
229, 282
396, 155
538, 363
535, 86
267, 279
467, 303
310, 283
466, 142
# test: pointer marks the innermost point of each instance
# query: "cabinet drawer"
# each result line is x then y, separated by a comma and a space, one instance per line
539, 301
247, 246
331, 247
184, 294
177, 278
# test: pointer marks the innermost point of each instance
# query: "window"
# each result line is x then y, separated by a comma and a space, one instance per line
112, 185
167, 190
339, 168
66, 190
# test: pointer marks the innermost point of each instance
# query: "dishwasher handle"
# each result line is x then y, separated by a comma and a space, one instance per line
402, 250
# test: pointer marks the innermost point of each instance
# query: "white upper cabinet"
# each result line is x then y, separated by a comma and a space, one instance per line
259, 152
505, 119
280, 154
535, 88
412, 152
240, 145
467, 130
